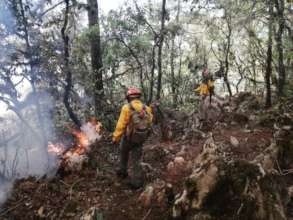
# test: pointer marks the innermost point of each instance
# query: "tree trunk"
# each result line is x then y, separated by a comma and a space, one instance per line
172, 63
227, 50
269, 59
161, 41
68, 86
254, 75
173, 83
96, 54
151, 89
179, 78
279, 40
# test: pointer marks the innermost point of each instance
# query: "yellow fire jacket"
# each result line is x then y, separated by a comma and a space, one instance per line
125, 117
203, 89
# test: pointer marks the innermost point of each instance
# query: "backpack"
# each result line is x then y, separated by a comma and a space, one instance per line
138, 128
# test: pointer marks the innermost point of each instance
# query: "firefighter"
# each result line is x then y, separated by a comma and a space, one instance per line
206, 89
132, 129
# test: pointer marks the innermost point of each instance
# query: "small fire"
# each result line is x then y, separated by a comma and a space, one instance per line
88, 134
56, 149
83, 140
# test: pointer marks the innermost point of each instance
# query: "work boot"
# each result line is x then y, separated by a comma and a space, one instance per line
121, 173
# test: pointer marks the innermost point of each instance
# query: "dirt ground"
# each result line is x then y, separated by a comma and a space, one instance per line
68, 195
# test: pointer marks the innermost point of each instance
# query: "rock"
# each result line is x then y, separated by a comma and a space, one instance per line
202, 216
252, 118
287, 127
177, 169
146, 196
41, 212
170, 166
234, 142
179, 161
180, 154
247, 131
92, 214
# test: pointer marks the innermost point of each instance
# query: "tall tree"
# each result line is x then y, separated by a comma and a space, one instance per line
96, 54
151, 89
172, 56
227, 50
160, 47
269, 57
67, 70
279, 4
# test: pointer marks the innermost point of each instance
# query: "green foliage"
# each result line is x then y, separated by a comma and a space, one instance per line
91, 32
130, 34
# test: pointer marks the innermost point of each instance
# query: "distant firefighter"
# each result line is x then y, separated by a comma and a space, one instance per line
206, 89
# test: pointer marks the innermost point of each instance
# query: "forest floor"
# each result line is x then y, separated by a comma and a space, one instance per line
96, 185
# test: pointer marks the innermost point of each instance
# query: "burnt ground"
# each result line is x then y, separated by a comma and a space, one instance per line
69, 195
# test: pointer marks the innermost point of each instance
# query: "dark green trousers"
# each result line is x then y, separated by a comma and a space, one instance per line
136, 156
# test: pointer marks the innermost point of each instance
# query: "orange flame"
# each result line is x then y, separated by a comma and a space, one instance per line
83, 141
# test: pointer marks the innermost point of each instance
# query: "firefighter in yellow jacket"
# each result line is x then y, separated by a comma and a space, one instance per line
207, 86
206, 89
132, 129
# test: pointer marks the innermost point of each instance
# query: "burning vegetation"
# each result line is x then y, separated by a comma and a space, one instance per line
72, 157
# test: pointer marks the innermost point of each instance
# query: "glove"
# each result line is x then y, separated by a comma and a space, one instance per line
114, 141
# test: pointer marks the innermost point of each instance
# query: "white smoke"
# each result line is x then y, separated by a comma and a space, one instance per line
6, 18
90, 130
22, 149
5, 188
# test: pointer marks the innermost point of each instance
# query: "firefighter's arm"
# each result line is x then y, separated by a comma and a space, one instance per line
121, 124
